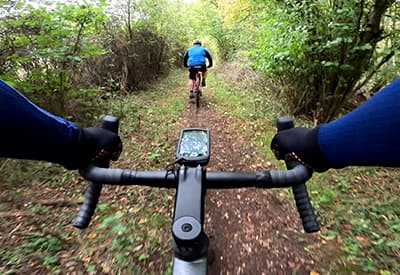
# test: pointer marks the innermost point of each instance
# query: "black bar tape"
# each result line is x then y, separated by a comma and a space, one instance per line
226, 180
118, 176
279, 179
86, 211
102, 175
94, 189
304, 207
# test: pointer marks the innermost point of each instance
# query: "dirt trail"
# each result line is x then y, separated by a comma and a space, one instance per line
252, 231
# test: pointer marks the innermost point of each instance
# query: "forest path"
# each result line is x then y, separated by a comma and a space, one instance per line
252, 231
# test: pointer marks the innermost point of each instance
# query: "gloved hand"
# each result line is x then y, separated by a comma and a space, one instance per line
93, 145
300, 144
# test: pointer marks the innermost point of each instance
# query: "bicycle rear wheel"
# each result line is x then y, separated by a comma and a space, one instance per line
197, 95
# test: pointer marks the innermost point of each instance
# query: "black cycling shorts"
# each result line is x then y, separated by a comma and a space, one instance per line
194, 69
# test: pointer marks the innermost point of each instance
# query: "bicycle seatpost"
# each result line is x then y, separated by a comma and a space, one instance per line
93, 191
304, 207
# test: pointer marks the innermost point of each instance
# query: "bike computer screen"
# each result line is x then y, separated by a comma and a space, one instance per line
194, 147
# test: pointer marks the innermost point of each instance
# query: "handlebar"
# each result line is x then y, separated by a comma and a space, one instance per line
294, 177
213, 180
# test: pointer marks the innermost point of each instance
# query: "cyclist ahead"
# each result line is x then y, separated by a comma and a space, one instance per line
196, 56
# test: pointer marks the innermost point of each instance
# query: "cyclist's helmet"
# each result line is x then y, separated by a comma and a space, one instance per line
196, 42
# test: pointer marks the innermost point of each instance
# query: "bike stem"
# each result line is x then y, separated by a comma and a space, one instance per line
190, 243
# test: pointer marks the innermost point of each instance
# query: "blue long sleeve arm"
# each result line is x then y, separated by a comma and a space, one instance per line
367, 136
29, 132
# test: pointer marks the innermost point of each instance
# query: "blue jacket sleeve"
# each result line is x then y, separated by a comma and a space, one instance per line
367, 136
29, 132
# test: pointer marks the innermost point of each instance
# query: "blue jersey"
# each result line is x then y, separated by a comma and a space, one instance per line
29, 132
197, 55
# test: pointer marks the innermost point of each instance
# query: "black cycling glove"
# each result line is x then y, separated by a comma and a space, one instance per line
300, 144
92, 146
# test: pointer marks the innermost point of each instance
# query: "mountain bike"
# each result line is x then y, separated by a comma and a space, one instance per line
188, 175
197, 86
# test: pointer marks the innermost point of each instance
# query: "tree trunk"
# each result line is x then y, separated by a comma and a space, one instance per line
370, 33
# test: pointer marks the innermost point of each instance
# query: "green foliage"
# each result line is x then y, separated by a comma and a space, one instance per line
48, 246
322, 52
123, 240
11, 258
45, 243
361, 213
44, 47
46, 43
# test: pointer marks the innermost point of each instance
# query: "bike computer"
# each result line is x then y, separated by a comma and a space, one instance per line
193, 147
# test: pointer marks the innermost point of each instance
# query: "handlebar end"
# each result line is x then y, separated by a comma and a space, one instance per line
284, 123
110, 123
81, 222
